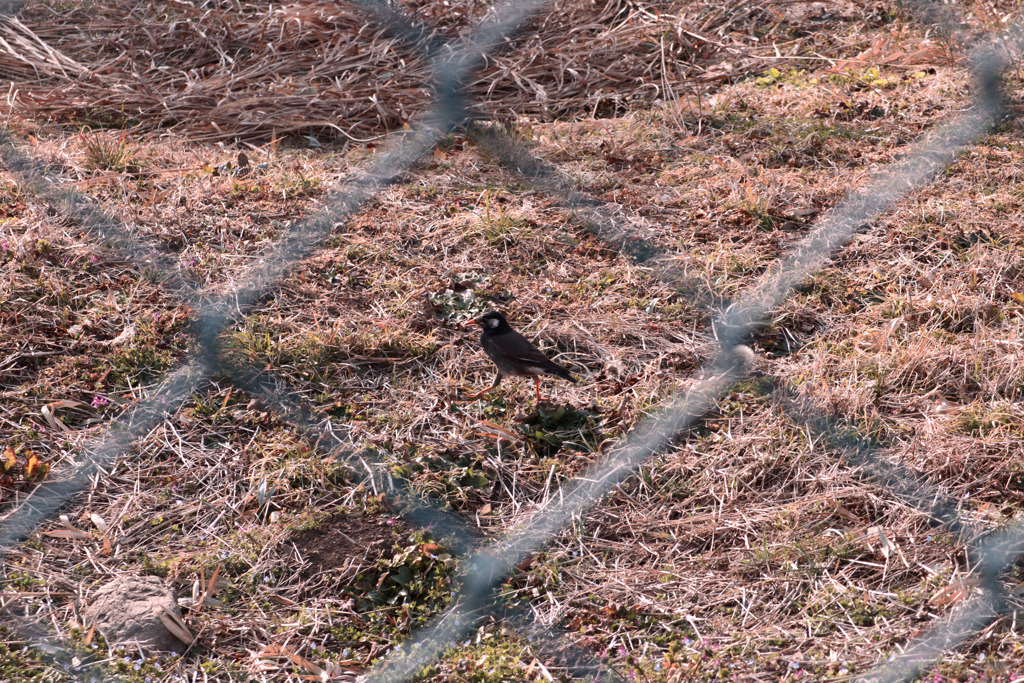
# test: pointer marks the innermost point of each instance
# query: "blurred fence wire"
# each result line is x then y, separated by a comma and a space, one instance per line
929, 157
216, 313
488, 565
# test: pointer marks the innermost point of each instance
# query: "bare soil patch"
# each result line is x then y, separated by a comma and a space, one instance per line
343, 540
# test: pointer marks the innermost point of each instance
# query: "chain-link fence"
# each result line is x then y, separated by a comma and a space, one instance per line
489, 563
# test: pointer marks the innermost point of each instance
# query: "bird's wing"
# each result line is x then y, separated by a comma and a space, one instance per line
520, 349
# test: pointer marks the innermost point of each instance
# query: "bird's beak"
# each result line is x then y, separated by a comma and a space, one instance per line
469, 323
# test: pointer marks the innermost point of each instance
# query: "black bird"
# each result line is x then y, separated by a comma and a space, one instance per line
514, 354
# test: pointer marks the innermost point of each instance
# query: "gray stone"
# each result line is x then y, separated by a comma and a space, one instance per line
128, 609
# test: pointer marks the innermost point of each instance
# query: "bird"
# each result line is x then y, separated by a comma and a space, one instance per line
514, 354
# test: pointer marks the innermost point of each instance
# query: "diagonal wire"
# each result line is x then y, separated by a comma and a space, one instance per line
931, 157
495, 139
738, 322
402, 152
489, 566
596, 216
989, 62
736, 325
904, 485
31, 174
992, 555
405, 28
333, 441
72, 205
924, 160
463, 536
217, 315
863, 455
46, 499
450, 72
1001, 548
995, 553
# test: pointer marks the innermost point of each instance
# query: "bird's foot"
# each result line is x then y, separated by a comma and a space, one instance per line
467, 395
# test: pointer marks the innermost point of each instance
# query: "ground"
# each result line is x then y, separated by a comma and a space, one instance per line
762, 545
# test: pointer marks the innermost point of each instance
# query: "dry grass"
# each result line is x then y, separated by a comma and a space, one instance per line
319, 70
758, 548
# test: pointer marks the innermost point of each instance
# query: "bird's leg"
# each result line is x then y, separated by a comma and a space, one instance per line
497, 381
536, 384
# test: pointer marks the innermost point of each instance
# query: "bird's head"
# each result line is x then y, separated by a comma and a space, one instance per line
492, 321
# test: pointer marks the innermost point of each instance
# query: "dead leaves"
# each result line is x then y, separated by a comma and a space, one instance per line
70, 532
883, 53
173, 623
951, 594
18, 472
490, 430
343, 670
34, 469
